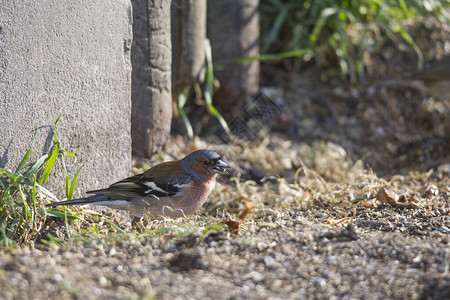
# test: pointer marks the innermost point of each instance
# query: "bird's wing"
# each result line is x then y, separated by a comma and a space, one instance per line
143, 185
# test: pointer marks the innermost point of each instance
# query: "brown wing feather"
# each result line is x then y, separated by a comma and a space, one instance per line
136, 185
165, 169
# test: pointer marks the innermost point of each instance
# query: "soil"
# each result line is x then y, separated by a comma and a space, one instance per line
288, 258
346, 196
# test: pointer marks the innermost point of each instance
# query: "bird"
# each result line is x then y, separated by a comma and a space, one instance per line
173, 189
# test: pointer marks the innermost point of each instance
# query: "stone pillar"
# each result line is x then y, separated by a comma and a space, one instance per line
71, 58
151, 56
233, 28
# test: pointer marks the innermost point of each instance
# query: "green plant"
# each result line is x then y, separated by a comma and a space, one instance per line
341, 33
22, 212
208, 90
182, 99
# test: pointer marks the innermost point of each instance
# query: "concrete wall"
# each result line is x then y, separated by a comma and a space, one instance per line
67, 57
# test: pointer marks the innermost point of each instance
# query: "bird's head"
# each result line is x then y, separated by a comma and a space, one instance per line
204, 164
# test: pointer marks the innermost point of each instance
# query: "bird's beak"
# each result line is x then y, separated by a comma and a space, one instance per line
221, 167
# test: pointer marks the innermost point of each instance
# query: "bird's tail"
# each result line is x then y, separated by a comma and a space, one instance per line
94, 199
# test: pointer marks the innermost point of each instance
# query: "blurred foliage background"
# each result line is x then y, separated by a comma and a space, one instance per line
340, 35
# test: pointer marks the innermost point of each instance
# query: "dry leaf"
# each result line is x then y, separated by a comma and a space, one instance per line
366, 204
387, 196
233, 226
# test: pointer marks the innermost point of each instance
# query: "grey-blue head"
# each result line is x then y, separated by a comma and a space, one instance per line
204, 162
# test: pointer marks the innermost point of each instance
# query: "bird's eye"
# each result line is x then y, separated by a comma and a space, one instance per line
206, 162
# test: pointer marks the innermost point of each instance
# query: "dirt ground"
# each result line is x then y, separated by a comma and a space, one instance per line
289, 258
345, 196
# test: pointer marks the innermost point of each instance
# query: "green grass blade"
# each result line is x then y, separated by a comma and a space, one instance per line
52, 240
72, 185
26, 209
6, 241
67, 185
46, 192
208, 91
274, 31
66, 176
407, 38
11, 175
212, 227
27, 155
33, 198
113, 225
36, 167
181, 101
408, 13
50, 163
34, 194
53, 212
54, 129
273, 56
67, 153
219, 117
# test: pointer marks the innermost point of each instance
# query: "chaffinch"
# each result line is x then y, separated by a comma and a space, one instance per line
173, 188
